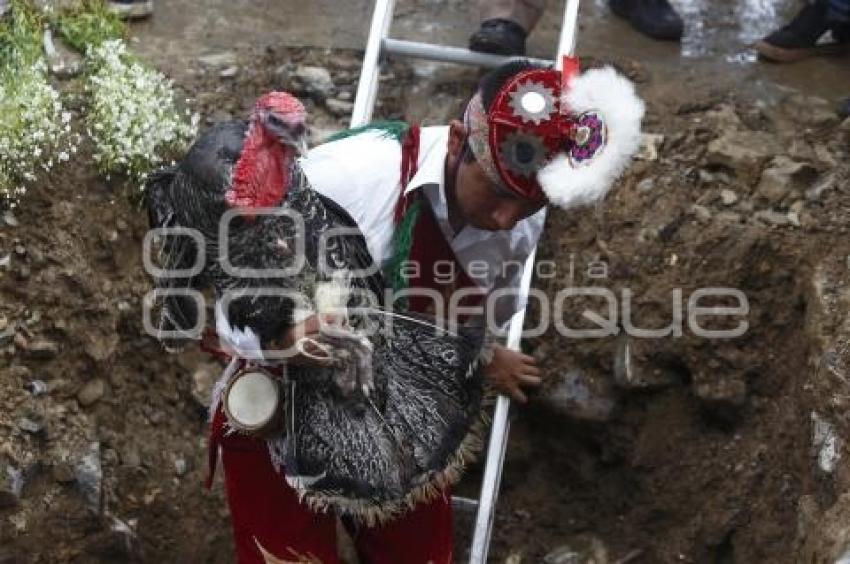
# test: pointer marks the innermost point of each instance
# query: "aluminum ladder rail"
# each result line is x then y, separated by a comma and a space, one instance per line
377, 44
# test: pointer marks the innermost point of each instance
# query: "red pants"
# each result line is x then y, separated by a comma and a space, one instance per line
265, 512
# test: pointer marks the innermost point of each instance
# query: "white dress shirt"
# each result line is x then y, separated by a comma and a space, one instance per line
362, 173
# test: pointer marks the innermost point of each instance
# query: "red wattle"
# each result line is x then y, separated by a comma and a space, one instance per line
261, 176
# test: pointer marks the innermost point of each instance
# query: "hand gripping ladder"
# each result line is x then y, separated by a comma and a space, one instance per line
379, 44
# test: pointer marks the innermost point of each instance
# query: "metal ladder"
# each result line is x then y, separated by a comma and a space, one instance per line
379, 43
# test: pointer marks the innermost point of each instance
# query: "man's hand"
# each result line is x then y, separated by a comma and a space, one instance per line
510, 371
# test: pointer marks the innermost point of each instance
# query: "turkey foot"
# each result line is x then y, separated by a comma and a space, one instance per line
350, 354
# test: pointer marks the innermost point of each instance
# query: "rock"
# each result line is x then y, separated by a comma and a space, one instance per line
724, 118
646, 185
742, 151
728, 197
203, 381
826, 442
582, 549
63, 61
11, 487
797, 207
580, 394
89, 475
18, 371
314, 81
339, 107
36, 387
794, 218
30, 425
10, 219
728, 217
100, 347
649, 145
20, 341
91, 392
817, 191
181, 467
229, 72
42, 349
218, 60
702, 213
771, 217
781, 177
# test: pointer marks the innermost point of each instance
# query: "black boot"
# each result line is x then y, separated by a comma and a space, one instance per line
799, 38
500, 37
655, 18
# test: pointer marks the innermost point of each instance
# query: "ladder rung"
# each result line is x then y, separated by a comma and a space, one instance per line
464, 504
446, 54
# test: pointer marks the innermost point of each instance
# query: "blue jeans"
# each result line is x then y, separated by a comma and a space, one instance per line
839, 11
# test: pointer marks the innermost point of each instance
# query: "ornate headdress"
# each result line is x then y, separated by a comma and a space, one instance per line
557, 135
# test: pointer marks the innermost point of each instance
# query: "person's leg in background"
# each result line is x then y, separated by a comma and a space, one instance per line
801, 37
505, 24
654, 18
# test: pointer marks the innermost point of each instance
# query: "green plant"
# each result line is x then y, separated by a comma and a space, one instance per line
132, 117
35, 130
21, 32
88, 25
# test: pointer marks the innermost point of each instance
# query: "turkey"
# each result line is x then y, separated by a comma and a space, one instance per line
398, 410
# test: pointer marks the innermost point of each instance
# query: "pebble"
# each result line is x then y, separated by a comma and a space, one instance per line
30, 426
649, 145
315, 80
203, 381
181, 466
817, 191
11, 487
702, 213
43, 349
91, 392
224, 59
728, 197
10, 219
772, 217
36, 387
339, 107
229, 72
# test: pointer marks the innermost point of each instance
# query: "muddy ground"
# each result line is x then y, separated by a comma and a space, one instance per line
683, 449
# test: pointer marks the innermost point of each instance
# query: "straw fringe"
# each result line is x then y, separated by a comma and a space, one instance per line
372, 512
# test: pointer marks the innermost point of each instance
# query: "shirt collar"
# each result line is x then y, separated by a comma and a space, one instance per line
433, 147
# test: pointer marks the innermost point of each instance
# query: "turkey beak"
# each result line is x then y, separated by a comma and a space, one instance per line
301, 146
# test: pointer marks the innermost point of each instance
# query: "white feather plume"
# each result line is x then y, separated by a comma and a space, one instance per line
608, 92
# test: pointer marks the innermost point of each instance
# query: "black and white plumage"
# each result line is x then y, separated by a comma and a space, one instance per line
393, 419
